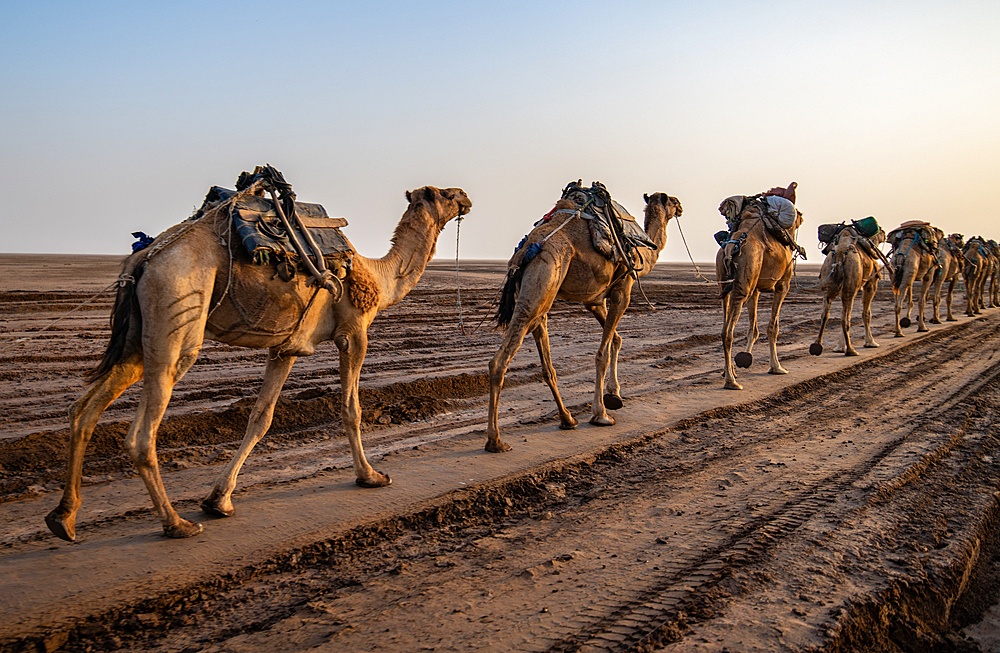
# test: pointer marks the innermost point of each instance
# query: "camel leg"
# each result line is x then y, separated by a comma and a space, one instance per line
898, 304
970, 282
219, 501
612, 389
498, 368
925, 287
780, 290
83, 419
618, 300
353, 348
847, 304
753, 333
936, 297
159, 378
870, 289
951, 293
541, 335
731, 308
827, 302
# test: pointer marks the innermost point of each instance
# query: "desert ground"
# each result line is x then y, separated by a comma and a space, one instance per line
850, 505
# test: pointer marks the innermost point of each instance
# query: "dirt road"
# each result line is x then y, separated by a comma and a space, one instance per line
849, 505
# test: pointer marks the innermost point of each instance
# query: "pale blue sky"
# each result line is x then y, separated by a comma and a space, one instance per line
118, 116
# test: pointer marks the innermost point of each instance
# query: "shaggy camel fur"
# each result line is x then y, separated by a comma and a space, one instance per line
758, 263
850, 266
952, 262
911, 261
568, 267
976, 271
196, 282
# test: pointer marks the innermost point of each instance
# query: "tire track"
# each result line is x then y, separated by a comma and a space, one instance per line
491, 537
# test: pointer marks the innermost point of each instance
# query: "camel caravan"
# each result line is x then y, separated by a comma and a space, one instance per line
255, 268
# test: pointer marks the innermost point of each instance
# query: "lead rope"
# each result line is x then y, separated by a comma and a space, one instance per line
458, 288
458, 284
684, 240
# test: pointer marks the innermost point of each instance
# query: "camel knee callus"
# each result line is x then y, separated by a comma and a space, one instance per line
188, 286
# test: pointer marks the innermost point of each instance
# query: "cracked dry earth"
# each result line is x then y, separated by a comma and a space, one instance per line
848, 506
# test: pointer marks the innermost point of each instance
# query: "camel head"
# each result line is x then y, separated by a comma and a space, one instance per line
957, 239
666, 201
671, 207
444, 204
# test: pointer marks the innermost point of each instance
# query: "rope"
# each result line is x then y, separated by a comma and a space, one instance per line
57, 321
458, 284
696, 269
458, 288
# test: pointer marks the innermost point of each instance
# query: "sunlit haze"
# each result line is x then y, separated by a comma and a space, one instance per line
118, 117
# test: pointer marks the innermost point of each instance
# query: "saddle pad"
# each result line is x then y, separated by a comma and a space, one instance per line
257, 223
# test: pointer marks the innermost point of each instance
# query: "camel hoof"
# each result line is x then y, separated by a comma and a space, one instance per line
568, 426
923, 330
851, 352
777, 370
499, 446
606, 420
905, 322
744, 359
872, 345
212, 507
935, 321
613, 402
378, 479
816, 349
952, 319
733, 385
183, 529
61, 525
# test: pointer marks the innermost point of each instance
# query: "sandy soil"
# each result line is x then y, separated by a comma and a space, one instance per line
849, 505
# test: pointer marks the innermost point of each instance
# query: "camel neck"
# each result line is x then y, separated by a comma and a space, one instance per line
413, 245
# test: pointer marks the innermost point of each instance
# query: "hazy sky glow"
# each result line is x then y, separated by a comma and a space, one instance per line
118, 117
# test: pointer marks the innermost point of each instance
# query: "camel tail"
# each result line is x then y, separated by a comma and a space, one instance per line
898, 263
508, 297
126, 309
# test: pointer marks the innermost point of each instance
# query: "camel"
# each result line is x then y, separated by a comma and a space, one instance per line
975, 273
567, 266
913, 258
752, 260
196, 282
994, 281
952, 262
850, 266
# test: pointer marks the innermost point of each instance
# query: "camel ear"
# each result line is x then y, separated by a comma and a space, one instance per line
429, 194
408, 200
645, 198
